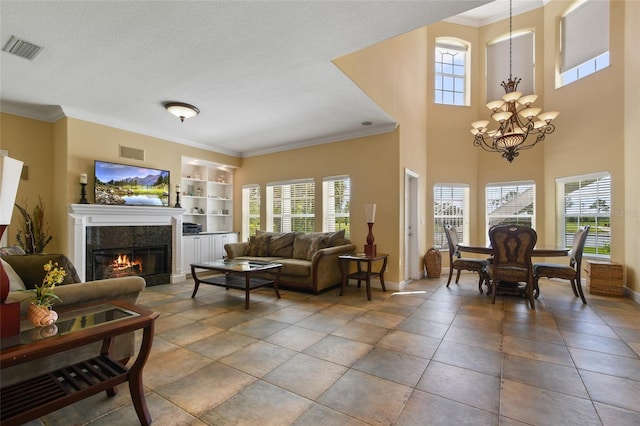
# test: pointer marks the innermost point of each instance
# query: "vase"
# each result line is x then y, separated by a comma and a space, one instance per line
41, 316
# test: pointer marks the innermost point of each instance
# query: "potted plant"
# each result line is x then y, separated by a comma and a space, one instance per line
40, 312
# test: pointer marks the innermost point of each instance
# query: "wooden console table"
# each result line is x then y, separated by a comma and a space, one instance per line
35, 397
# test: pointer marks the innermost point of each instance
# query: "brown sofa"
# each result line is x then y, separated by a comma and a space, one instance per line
29, 270
309, 261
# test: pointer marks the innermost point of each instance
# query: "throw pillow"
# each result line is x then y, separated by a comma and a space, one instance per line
259, 245
318, 242
11, 251
301, 245
281, 244
15, 282
336, 238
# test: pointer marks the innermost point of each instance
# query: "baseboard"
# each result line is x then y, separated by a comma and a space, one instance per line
633, 295
178, 278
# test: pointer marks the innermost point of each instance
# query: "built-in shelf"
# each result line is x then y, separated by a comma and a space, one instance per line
206, 192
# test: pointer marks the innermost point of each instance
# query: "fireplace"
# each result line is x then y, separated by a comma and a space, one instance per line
99, 233
120, 251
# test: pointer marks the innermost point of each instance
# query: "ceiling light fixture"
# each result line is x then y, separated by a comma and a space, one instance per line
516, 117
181, 110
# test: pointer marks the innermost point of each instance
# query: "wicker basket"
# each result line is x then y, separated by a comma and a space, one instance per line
433, 263
604, 278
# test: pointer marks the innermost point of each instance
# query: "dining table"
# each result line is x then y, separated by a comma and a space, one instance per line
537, 252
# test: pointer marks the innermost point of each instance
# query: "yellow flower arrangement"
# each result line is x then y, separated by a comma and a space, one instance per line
43, 294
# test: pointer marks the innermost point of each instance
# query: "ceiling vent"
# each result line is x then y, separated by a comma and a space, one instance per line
21, 48
132, 153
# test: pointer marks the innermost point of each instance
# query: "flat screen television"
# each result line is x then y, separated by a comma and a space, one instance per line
122, 184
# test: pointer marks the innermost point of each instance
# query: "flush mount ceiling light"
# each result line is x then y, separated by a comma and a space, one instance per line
516, 117
181, 110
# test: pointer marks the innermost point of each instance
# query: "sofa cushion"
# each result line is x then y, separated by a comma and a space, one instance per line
296, 267
30, 268
258, 245
281, 244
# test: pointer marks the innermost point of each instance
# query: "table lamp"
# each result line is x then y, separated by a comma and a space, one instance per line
10, 171
370, 214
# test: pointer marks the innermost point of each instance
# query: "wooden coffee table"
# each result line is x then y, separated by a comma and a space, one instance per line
79, 326
237, 274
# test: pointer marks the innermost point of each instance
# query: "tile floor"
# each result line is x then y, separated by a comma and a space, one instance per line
427, 356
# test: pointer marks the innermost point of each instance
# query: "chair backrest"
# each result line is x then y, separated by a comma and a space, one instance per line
579, 240
452, 240
512, 249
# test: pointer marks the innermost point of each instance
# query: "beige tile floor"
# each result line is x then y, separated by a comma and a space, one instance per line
427, 356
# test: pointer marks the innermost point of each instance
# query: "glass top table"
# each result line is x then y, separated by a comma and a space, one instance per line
68, 322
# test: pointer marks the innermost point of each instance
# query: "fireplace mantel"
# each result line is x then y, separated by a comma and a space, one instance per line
83, 215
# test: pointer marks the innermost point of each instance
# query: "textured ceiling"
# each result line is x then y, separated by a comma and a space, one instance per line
260, 71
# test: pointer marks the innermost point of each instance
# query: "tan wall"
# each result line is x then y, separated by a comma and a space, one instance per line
371, 164
631, 215
31, 142
393, 74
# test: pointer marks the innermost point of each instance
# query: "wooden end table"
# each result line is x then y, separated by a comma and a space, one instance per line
79, 326
360, 275
238, 274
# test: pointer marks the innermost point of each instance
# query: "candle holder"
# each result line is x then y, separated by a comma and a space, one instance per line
177, 200
83, 194
370, 248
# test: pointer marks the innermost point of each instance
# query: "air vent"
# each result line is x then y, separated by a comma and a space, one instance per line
21, 48
132, 153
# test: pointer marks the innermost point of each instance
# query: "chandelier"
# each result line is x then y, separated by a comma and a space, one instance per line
520, 125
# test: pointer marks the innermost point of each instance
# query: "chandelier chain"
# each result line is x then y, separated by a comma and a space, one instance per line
510, 37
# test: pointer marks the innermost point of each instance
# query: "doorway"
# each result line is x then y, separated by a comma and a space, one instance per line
412, 265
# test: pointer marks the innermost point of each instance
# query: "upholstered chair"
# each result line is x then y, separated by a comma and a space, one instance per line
569, 272
463, 264
512, 249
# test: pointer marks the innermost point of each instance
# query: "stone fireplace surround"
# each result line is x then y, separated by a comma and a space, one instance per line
81, 216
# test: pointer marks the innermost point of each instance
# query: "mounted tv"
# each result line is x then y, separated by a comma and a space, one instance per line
121, 184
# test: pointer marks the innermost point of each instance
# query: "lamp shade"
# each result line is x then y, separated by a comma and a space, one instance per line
370, 212
10, 171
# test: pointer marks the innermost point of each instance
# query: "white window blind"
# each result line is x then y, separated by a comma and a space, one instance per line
450, 207
522, 65
336, 193
511, 203
250, 210
587, 201
291, 206
584, 33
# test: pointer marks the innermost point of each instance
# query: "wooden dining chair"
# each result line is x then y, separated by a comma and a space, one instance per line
463, 264
512, 250
569, 272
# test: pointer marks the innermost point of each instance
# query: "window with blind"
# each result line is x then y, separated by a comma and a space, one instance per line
450, 207
451, 73
587, 201
250, 210
336, 193
522, 64
291, 206
584, 40
511, 203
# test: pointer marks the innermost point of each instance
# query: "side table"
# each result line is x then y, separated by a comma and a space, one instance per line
79, 326
360, 275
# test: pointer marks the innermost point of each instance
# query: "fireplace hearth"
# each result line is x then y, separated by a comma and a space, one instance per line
119, 251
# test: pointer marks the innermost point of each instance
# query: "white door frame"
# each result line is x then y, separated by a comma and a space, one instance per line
412, 265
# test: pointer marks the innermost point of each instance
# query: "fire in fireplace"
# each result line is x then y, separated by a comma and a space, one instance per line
122, 262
